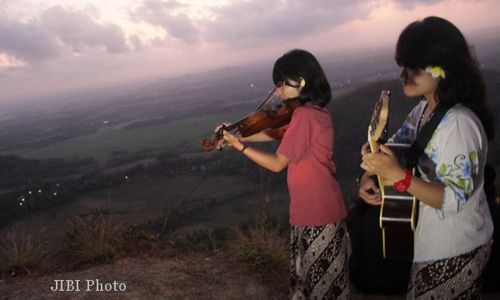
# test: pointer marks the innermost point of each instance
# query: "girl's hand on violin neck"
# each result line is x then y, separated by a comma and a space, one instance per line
221, 144
218, 127
383, 163
232, 140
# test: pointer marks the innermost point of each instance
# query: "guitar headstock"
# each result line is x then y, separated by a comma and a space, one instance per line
378, 123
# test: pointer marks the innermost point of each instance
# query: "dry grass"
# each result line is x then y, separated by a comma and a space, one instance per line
96, 238
261, 249
21, 252
93, 238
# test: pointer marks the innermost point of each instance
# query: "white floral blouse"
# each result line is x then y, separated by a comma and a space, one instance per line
456, 157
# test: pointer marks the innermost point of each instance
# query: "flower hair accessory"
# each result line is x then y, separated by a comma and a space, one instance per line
436, 72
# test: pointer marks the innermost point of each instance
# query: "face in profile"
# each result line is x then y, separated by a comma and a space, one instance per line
418, 82
287, 89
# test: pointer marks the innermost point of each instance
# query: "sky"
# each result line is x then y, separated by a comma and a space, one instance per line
52, 46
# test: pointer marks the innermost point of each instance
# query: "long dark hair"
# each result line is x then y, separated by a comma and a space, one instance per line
299, 64
435, 41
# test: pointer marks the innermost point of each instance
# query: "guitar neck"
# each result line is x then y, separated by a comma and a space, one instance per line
374, 146
378, 124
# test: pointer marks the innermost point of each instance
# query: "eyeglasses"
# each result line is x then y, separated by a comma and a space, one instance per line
286, 82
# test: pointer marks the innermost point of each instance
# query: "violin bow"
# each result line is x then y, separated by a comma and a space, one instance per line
237, 123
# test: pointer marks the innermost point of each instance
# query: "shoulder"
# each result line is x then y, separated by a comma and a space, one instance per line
312, 114
309, 109
460, 116
461, 123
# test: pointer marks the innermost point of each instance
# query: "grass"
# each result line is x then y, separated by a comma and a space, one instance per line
93, 238
187, 132
262, 249
21, 252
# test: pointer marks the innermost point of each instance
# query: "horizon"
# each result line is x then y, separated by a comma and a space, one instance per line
48, 48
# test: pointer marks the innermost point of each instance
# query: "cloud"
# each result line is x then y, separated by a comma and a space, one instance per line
251, 23
78, 31
168, 15
409, 4
27, 41
245, 24
57, 32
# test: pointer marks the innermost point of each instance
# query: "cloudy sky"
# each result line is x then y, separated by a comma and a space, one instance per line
55, 45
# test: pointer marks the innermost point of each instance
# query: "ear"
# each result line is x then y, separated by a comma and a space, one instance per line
302, 82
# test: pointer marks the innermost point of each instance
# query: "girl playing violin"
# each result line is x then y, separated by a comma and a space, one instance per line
318, 241
453, 234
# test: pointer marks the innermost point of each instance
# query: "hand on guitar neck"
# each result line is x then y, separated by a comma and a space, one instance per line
383, 163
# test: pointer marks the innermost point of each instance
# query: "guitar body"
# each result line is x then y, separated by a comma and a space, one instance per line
398, 216
398, 211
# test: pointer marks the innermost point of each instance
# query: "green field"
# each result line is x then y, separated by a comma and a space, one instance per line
186, 133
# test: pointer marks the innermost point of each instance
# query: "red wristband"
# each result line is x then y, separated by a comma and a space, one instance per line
404, 184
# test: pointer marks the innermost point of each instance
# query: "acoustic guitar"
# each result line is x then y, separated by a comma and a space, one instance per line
398, 211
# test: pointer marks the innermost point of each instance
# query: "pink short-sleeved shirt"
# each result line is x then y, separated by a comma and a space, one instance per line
307, 142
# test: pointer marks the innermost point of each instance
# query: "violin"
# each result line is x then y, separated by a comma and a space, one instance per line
262, 118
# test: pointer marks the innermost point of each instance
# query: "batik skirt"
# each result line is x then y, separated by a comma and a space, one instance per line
458, 277
318, 264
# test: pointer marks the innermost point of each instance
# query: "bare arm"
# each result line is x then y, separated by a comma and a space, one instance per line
431, 193
271, 161
258, 137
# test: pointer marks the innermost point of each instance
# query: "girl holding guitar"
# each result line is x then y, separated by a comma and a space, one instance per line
454, 229
318, 243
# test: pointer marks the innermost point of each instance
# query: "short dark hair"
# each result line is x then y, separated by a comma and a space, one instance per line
435, 41
297, 64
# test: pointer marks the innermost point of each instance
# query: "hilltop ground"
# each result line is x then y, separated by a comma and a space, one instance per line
188, 276
185, 277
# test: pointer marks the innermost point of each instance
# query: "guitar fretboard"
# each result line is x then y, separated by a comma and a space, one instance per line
377, 130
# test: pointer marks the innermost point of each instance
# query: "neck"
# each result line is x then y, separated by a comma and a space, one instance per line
431, 100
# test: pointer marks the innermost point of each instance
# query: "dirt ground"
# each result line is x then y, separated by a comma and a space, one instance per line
188, 276
182, 277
